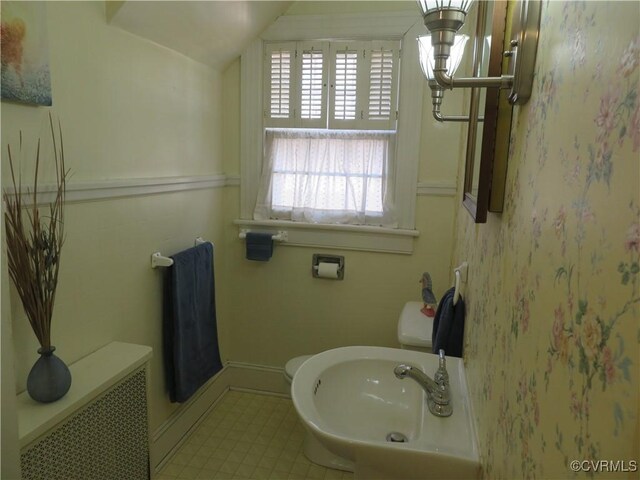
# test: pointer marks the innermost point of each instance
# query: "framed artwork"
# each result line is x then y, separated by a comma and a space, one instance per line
24, 53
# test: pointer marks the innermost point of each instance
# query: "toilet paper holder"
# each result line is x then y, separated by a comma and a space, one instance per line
319, 258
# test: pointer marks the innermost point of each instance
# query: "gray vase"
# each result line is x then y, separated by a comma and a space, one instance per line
49, 379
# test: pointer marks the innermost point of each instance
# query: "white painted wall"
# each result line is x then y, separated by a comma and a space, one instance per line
276, 310
133, 109
129, 109
9, 458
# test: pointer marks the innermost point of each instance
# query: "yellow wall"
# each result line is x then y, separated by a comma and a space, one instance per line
552, 326
129, 109
274, 311
132, 109
553, 295
9, 460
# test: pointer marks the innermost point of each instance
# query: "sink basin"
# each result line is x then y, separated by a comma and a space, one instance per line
362, 399
351, 402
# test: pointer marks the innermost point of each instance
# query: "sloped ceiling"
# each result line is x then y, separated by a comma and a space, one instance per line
210, 32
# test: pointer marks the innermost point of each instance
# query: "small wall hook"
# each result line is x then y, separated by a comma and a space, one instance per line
461, 273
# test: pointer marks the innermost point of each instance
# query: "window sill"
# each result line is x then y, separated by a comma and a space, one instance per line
343, 237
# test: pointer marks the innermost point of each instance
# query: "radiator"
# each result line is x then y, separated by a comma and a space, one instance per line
107, 438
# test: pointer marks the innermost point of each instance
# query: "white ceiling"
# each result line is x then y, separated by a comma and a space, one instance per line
211, 32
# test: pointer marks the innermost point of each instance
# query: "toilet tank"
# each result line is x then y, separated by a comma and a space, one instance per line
415, 328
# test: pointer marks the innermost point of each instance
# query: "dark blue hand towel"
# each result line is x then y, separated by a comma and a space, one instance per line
259, 246
191, 350
448, 326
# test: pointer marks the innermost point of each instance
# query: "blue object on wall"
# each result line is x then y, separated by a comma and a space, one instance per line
448, 326
191, 350
259, 246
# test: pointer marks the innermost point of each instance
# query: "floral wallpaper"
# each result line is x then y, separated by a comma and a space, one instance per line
553, 298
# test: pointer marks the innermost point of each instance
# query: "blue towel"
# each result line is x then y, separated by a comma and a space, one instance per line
259, 246
191, 351
448, 326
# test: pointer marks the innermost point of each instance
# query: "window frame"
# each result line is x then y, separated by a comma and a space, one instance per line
402, 26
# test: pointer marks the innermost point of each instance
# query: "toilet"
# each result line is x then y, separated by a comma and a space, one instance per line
415, 328
414, 333
293, 365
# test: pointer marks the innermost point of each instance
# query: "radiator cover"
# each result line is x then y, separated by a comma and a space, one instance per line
106, 439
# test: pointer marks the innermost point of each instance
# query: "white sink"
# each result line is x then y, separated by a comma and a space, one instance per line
350, 400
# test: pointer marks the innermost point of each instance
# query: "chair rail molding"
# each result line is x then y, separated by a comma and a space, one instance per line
130, 187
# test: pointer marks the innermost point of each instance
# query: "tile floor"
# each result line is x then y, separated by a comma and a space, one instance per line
247, 436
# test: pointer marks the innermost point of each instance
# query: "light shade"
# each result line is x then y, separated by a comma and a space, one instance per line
427, 58
428, 6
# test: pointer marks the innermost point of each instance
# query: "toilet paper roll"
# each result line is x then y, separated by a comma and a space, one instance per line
328, 270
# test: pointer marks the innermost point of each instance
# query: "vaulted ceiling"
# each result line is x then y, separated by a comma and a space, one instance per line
211, 32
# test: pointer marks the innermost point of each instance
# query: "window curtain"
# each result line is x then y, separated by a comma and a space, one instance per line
320, 176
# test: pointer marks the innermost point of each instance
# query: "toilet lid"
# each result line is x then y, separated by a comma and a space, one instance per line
294, 364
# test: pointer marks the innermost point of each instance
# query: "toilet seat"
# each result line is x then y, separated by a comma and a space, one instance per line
293, 365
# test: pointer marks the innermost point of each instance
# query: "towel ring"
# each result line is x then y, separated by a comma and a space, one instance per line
456, 293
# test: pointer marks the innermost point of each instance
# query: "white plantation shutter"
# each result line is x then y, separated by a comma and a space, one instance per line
313, 67
383, 84
344, 103
347, 75
364, 85
362, 76
280, 84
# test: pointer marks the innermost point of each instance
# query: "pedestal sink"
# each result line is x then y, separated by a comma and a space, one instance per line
351, 402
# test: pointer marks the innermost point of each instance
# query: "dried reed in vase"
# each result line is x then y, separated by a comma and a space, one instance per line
35, 239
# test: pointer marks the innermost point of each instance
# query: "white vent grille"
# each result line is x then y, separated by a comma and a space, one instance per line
107, 439
380, 84
346, 79
280, 95
312, 85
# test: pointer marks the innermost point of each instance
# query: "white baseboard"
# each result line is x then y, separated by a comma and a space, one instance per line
259, 378
233, 376
171, 433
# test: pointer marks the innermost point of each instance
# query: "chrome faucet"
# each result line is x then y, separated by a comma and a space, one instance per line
437, 389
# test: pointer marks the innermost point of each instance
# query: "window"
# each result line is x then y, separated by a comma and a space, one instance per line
324, 176
342, 170
255, 121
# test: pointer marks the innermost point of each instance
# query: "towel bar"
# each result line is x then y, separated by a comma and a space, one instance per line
157, 260
281, 236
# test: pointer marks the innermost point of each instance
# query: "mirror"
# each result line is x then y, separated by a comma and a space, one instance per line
488, 140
